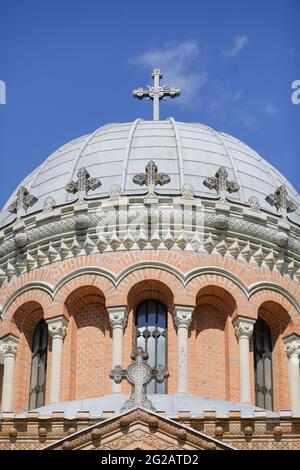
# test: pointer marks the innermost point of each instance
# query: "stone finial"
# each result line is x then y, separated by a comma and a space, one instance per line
221, 184
280, 200
151, 178
49, 204
83, 185
187, 191
115, 191
254, 204
23, 201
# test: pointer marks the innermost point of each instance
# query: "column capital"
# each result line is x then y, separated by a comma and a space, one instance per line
9, 346
57, 327
243, 327
182, 315
292, 345
118, 316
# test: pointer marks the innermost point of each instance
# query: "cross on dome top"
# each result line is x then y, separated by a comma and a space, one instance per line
156, 92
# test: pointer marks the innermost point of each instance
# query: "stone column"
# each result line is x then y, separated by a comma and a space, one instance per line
292, 344
243, 330
182, 319
9, 348
118, 321
57, 328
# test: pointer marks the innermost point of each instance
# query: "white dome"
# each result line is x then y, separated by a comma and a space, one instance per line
188, 152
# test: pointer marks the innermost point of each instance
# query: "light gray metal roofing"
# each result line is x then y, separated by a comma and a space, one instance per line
188, 152
171, 404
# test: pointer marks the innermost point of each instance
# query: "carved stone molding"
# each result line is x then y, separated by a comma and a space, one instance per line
292, 345
183, 316
9, 346
57, 327
244, 327
118, 317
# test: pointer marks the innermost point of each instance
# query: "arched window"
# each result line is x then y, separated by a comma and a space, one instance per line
262, 341
151, 335
38, 365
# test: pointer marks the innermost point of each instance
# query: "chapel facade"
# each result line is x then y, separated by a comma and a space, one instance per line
167, 236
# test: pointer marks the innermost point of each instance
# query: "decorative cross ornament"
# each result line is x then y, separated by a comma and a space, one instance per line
151, 178
280, 200
83, 185
220, 183
23, 201
156, 93
139, 374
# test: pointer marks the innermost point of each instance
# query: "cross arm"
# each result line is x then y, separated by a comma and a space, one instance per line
160, 373
162, 178
72, 187
94, 183
140, 179
117, 374
140, 93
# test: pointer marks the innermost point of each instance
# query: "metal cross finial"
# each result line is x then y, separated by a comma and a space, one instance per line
23, 201
156, 93
83, 185
280, 200
220, 183
139, 374
151, 178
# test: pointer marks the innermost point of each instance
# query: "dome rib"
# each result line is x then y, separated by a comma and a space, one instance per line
127, 152
179, 151
267, 167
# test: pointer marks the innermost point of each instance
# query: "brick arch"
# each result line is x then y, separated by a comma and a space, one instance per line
225, 289
150, 289
167, 281
27, 298
281, 303
87, 281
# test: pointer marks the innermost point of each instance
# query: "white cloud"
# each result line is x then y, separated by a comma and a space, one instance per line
239, 43
269, 109
182, 64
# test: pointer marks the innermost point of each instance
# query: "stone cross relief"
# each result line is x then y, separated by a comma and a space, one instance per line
83, 185
23, 201
139, 374
280, 200
156, 93
221, 184
151, 178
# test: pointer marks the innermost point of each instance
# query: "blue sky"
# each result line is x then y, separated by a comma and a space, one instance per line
70, 65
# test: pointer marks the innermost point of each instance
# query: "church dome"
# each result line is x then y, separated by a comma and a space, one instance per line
187, 152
